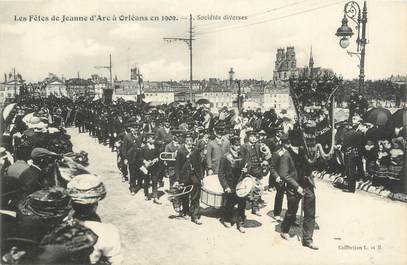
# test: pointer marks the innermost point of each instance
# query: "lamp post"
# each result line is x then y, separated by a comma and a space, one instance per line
352, 11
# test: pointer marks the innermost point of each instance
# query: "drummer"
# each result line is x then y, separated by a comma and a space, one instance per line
252, 155
231, 169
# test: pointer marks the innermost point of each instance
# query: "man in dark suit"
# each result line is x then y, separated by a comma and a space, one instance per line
295, 168
275, 179
252, 155
149, 157
192, 173
231, 168
172, 147
36, 176
353, 147
163, 137
217, 147
130, 153
183, 153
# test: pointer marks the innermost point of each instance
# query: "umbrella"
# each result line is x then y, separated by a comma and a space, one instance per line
7, 110
377, 116
203, 101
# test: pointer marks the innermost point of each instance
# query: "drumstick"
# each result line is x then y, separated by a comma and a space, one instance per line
240, 178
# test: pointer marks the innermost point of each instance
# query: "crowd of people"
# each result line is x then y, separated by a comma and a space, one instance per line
55, 211
48, 198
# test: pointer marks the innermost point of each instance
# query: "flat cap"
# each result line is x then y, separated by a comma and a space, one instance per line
39, 152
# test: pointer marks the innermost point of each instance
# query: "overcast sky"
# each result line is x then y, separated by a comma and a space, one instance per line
249, 46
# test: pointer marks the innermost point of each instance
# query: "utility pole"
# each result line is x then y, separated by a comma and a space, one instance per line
109, 67
239, 97
188, 41
190, 57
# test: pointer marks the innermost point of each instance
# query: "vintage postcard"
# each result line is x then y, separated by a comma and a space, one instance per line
203, 132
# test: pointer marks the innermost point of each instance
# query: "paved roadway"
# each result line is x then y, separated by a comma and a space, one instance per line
353, 229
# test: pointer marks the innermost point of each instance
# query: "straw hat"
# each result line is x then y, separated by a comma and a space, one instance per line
86, 189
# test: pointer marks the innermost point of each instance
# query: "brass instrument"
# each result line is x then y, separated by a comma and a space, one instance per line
265, 150
168, 156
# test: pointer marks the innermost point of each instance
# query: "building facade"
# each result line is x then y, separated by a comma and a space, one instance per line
10, 89
159, 97
285, 65
78, 87
101, 83
218, 98
56, 88
277, 99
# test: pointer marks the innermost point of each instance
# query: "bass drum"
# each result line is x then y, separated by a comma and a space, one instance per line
212, 192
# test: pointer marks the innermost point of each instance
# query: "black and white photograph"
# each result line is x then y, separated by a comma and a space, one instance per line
204, 132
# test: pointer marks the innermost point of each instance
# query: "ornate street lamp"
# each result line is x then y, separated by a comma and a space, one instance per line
352, 11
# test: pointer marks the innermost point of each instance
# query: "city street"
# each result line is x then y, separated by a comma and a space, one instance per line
358, 228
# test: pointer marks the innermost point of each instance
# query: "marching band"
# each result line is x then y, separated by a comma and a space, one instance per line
225, 161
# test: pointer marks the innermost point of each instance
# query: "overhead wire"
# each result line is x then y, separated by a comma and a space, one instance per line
270, 19
217, 23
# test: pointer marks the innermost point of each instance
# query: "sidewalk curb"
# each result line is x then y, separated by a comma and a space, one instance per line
367, 187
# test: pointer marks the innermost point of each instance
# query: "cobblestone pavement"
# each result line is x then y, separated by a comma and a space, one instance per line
353, 228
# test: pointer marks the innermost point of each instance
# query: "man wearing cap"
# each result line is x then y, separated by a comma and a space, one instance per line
149, 158
172, 147
57, 120
163, 134
295, 169
217, 147
192, 173
38, 176
231, 169
130, 150
354, 142
183, 153
252, 155
280, 147
163, 137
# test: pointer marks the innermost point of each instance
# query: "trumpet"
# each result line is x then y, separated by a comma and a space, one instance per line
168, 156
265, 150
